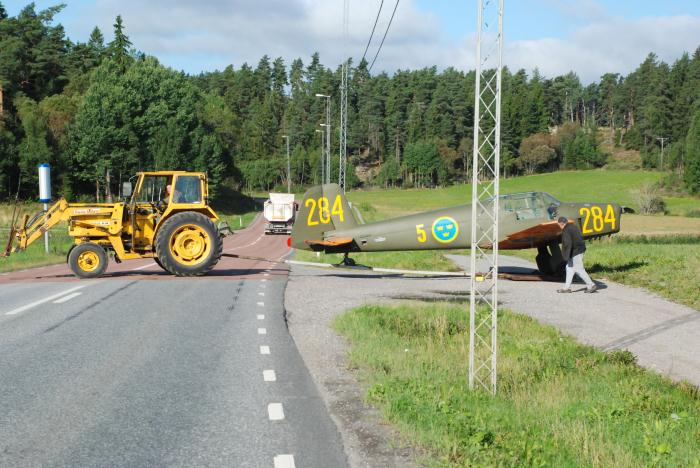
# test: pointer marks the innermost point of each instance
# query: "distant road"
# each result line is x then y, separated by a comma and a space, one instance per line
139, 368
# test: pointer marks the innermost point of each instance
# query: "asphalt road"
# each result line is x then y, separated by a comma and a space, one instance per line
139, 368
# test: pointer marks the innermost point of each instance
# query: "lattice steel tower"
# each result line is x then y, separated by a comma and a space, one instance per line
483, 302
342, 162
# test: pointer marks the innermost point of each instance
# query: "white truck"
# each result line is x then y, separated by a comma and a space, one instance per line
279, 211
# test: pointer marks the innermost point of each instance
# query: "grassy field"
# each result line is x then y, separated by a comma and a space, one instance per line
559, 403
594, 185
633, 224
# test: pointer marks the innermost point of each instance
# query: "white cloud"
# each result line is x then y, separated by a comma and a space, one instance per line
612, 45
214, 33
244, 30
578, 9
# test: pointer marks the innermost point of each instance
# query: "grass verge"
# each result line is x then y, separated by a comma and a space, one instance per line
238, 221
35, 256
559, 403
666, 265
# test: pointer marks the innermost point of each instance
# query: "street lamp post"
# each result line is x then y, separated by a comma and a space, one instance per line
328, 135
323, 166
328, 153
289, 167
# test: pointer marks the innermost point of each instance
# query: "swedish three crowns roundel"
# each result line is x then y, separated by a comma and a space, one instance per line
445, 229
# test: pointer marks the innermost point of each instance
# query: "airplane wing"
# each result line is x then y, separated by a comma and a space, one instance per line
332, 242
533, 236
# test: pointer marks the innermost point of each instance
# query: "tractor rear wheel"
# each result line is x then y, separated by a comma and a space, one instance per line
88, 260
188, 244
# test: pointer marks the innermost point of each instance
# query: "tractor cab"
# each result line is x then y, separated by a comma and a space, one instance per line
156, 197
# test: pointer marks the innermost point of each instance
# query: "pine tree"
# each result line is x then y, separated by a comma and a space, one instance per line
692, 154
119, 48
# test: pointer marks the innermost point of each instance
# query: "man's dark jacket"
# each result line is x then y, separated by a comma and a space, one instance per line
572, 242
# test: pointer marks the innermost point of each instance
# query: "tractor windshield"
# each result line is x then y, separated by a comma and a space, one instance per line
187, 190
153, 189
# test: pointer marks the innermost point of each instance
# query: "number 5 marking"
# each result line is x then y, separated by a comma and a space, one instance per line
421, 233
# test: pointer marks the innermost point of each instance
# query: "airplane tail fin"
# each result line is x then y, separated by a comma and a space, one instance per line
324, 208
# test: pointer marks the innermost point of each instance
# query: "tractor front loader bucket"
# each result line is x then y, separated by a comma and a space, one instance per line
10, 242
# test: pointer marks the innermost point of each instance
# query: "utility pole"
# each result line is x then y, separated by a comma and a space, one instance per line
662, 140
289, 167
328, 136
342, 160
483, 298
323, 166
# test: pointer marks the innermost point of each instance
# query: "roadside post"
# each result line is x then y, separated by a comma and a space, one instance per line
45, 195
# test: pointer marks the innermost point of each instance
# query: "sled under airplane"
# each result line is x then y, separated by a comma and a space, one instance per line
326, 223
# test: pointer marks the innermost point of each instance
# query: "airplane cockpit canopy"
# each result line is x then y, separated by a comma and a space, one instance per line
530, 205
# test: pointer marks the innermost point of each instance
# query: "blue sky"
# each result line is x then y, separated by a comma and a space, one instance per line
590, 37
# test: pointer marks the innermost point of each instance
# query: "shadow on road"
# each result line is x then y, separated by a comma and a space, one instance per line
598, 268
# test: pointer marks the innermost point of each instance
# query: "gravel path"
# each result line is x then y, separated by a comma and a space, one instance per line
663, 335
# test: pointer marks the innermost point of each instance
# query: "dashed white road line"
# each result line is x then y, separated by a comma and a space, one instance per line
261, 294
266, 274
275, 411
284, 461
262, 331
44, 300
67, 298
144, 266
261, 304
264, 350
246, 245
264, 280
269, 375
261, 317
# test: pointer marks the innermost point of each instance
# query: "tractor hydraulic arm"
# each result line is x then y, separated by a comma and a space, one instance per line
31, 229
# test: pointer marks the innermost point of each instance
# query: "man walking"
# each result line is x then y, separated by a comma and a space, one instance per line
572, 248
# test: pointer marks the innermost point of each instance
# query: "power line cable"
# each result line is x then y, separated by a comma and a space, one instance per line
385, 33
376, 20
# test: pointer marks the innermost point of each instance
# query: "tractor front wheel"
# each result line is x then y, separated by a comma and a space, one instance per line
88, 260
155, 259
188, 244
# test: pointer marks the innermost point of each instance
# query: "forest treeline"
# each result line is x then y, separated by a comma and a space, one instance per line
98, 112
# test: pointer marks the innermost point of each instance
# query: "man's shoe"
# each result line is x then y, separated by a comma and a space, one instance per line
592, 289
566, 290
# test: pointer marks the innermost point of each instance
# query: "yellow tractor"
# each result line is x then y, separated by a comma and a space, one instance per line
168, 218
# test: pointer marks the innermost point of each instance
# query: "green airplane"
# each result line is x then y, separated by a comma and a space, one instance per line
327, 223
